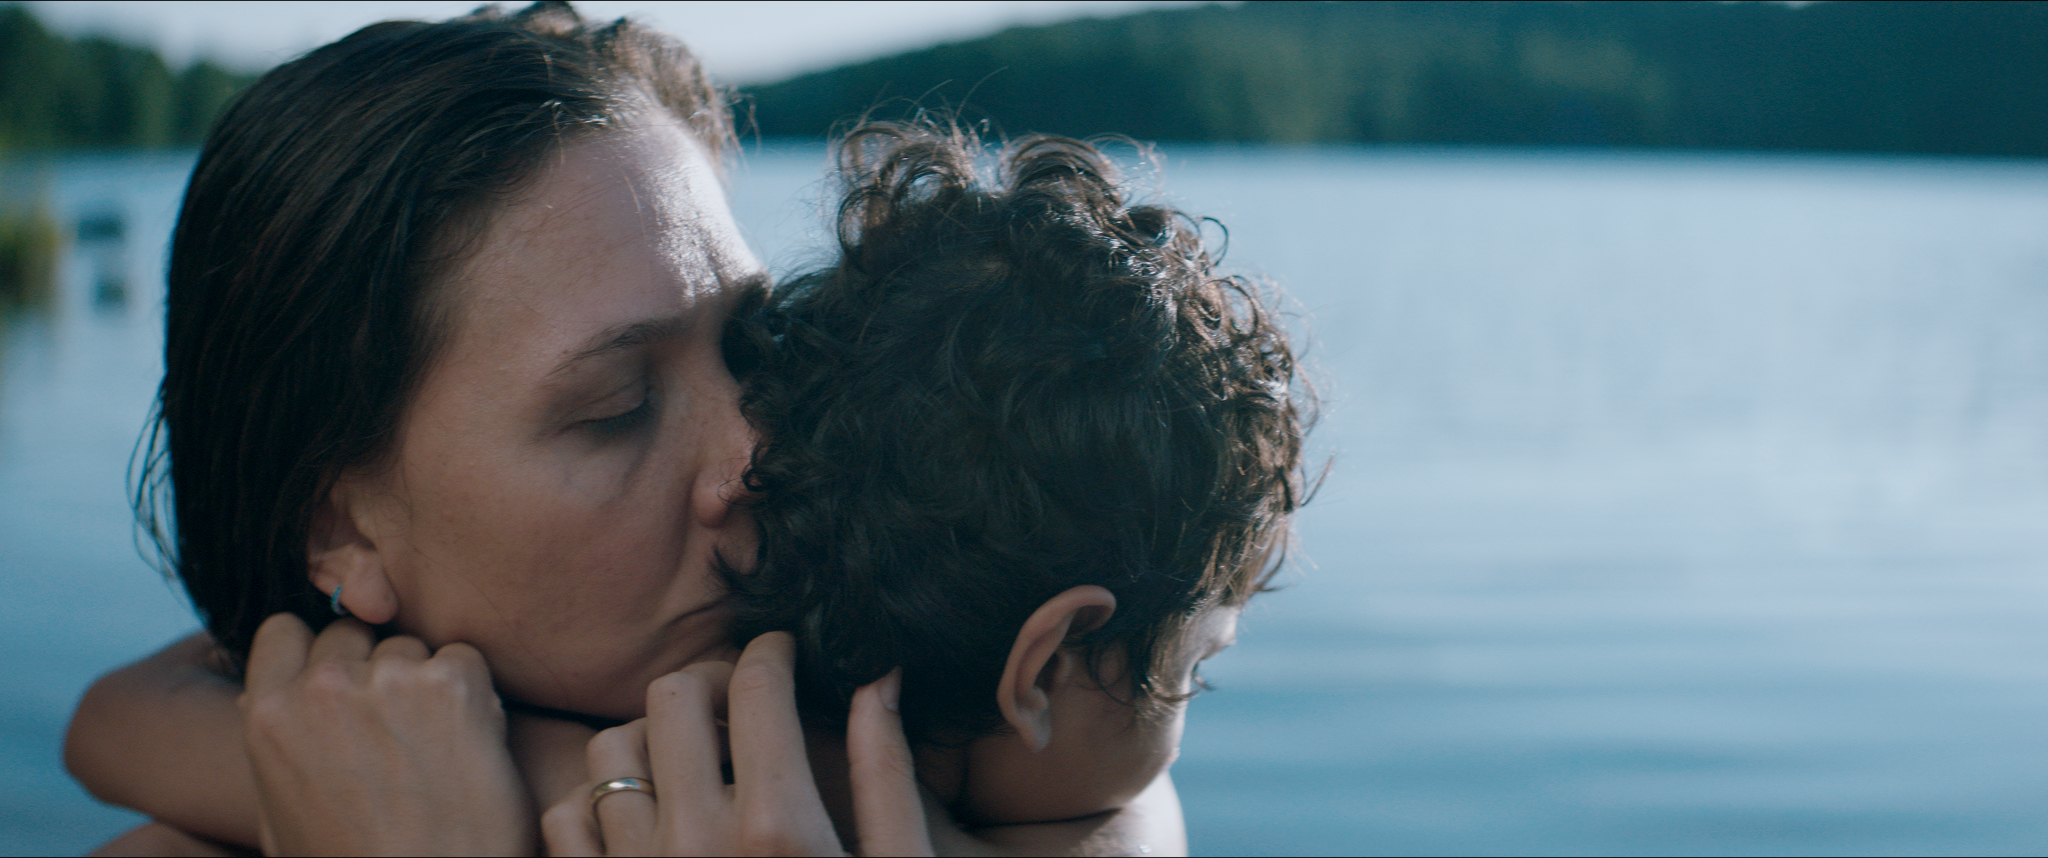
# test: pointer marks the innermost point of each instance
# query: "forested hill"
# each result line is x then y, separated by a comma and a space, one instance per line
94, 92
1954, 78
1945, 78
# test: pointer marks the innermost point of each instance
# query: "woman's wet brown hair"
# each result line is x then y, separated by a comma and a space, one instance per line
302, 308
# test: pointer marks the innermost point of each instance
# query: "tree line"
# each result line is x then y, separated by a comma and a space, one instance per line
94, 92
1937, 77
1931, 77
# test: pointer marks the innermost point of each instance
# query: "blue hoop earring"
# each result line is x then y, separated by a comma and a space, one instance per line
334, 602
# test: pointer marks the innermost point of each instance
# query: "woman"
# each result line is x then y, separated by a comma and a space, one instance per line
444, 352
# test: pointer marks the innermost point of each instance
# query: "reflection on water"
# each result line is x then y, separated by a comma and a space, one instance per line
76, 378
103, 248
1681, 504
30, 242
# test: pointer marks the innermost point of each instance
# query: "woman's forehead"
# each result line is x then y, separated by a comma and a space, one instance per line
617, 229
651, 189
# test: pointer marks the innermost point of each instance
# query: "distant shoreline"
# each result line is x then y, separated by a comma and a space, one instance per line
1962, 79
1848, 76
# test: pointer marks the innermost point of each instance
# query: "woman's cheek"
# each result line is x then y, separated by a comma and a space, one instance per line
601, 468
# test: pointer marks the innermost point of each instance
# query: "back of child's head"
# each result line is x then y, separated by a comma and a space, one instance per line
1004, 389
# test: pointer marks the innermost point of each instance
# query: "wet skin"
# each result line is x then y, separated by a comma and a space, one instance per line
566, 470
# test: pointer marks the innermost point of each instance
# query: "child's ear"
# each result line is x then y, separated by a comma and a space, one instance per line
341, 552
1040, 662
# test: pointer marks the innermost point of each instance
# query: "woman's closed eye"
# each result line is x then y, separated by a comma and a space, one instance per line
636, 410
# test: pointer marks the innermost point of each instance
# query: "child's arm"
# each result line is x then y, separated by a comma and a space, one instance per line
158, 840
163, 736
1150, 825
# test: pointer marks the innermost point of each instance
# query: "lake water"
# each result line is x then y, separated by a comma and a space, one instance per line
1679, 503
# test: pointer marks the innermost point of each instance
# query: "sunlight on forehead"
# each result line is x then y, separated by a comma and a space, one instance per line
628, 227
677, 187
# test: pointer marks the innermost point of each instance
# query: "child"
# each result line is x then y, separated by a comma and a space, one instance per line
1022, 441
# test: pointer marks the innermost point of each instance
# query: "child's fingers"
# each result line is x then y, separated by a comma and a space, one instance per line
888, 812
278, 653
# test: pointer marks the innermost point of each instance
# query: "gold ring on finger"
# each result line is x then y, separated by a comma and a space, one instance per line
620, 785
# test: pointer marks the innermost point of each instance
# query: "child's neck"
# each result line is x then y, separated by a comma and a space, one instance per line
941, 772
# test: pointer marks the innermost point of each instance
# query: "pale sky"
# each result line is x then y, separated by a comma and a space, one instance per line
741, 42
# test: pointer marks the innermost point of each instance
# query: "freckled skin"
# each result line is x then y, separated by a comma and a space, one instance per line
575, 553
561, 514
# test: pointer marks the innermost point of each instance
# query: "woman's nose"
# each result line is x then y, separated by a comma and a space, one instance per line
721, 476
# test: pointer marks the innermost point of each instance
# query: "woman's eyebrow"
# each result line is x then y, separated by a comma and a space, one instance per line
619, 338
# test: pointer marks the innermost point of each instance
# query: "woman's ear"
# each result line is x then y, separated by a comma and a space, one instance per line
341, 552
1040, 663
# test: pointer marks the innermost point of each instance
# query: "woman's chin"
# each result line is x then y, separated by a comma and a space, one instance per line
619, 695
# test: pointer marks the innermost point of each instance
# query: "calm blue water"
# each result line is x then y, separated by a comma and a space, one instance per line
1680, 504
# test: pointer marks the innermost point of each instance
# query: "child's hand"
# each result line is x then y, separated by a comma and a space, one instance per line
371, 748
773, 806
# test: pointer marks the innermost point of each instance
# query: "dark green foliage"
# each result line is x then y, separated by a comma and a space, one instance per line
1964, 78
29, 242
94, 92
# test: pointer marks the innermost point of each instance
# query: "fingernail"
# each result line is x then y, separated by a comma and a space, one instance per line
892, 685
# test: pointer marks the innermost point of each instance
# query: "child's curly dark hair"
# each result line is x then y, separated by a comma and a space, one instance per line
1000, 391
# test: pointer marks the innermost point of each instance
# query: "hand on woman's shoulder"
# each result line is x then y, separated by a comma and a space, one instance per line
156, 838
163, 736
